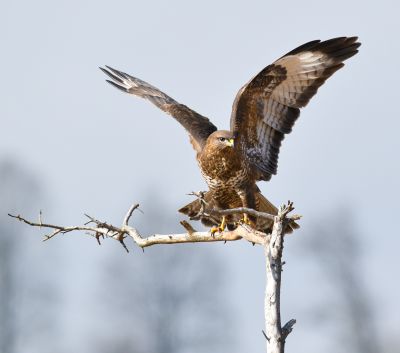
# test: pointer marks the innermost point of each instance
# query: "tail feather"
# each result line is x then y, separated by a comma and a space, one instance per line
193, 210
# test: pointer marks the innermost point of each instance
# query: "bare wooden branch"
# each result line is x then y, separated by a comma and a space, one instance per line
272, 243
104, 229
274, 332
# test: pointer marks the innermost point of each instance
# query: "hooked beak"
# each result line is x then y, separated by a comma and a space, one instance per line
230, 142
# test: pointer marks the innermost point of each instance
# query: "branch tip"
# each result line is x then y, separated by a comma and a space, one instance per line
40, 217
188, 227
130, 212
287, 328
265, 335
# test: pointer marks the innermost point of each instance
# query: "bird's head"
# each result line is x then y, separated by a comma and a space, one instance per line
221, 139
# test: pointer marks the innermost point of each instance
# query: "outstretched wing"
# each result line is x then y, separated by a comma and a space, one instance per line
267, 107
198, 126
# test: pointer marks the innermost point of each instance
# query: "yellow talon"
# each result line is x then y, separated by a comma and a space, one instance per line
220, 228
247, 220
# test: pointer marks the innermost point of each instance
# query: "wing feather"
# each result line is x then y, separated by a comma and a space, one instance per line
198, 126
266, 108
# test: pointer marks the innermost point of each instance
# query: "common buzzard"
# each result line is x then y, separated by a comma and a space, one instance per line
264, 110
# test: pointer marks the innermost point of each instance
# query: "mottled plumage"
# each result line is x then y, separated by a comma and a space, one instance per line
264, 110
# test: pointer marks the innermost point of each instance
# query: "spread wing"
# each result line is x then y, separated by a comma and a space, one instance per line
198, 126
266, 108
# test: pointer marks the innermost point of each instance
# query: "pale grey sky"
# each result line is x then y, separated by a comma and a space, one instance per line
97, 150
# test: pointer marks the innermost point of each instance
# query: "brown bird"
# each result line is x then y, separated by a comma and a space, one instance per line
265, 109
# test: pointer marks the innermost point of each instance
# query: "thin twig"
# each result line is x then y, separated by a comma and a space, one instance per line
129, 214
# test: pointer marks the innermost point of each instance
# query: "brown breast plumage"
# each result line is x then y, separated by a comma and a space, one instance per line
225, 173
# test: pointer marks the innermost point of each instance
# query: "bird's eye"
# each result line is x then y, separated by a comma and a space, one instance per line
222, 139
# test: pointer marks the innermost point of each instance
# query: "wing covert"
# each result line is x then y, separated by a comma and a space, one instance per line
266, 108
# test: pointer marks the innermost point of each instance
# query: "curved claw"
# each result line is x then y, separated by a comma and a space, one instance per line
218, 229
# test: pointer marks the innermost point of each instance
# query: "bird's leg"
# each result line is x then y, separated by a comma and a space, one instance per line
246, 219
219, 228
248, 201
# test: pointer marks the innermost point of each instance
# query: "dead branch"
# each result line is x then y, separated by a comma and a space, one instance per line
272, 243
106, 230
274, 332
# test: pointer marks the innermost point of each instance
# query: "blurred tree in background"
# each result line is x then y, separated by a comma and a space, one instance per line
26, 301
172, 300
344, 307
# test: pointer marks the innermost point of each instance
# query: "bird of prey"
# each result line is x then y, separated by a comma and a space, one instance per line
264, 111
